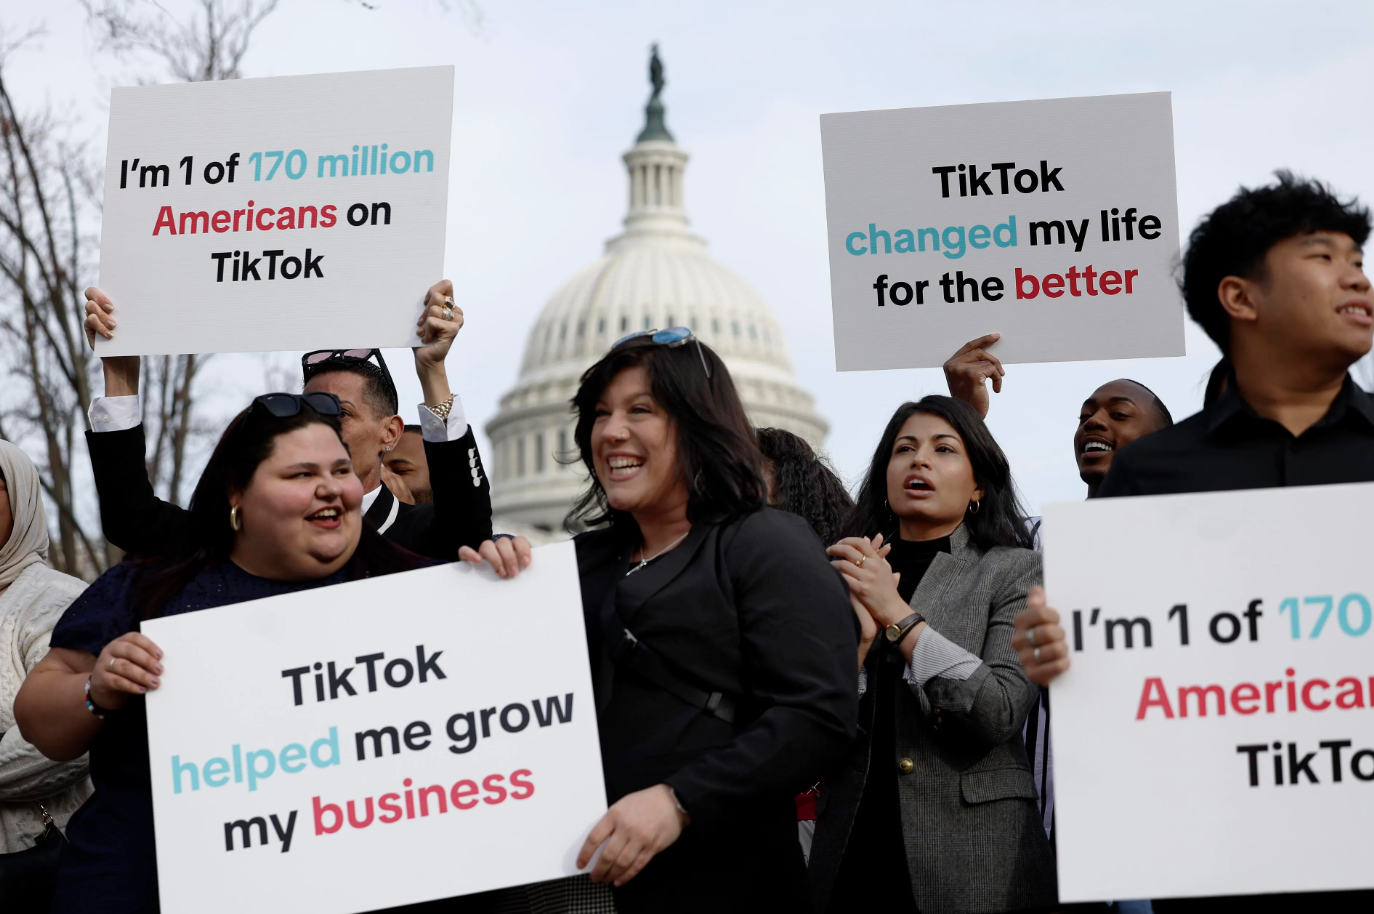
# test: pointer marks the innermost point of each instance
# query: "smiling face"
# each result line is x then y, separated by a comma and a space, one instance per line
634, 449
930, 481
300, 512
1116, 414
1313, 300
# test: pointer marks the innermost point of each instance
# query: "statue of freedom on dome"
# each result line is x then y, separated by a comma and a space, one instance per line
655, 70
654, 127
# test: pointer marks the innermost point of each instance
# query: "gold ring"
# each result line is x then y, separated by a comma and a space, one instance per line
860, 562
448, 307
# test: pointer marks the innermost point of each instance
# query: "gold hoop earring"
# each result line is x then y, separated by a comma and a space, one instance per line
974, 507
235, 519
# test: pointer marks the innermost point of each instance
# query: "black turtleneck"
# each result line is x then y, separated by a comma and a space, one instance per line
874, 868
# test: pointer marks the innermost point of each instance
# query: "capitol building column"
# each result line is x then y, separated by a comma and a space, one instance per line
655, 274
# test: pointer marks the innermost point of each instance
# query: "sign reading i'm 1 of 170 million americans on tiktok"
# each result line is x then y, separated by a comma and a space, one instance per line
297, 212
1052, 222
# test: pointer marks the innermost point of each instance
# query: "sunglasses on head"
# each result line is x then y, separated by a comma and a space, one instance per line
312, 363
284, 406
671, 338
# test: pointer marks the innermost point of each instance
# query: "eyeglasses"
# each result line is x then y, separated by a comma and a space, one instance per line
284, 406
312, 363
671, 338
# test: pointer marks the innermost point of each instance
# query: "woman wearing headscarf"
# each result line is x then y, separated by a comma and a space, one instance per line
32, 599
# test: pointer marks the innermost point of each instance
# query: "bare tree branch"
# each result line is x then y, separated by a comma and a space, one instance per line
206, 45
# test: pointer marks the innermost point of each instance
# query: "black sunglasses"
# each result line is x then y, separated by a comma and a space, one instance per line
284, 406
312, 363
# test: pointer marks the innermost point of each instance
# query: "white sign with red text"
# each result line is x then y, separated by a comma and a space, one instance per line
296, 212
376, 743
1053, 222
1215, 732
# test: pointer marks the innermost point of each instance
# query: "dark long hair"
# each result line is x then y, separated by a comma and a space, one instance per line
716, 451
246, 443
804, 483
1000, 521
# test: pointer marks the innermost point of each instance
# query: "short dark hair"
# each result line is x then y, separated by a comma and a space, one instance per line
716, 450
1233, 239
412, 428
804, 483
1000, 521
1164, 414
378, 390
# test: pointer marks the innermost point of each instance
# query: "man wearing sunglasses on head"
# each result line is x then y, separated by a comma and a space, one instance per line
135, 520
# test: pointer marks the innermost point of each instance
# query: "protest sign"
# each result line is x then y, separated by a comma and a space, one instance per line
1052, 222
1215, 732
375, 743
297, 212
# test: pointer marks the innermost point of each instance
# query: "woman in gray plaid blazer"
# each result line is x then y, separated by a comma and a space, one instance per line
936, 808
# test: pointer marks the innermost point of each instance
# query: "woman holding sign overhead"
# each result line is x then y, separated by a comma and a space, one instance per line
277, 510
936, 809
722, 646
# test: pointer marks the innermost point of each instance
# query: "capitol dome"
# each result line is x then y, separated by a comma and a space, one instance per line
655, 274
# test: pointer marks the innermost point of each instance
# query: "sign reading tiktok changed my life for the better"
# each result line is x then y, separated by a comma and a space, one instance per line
296, 212
376, 743
1052, 222
1214, 734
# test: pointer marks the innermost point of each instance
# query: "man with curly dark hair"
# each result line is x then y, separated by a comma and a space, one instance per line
1275, 276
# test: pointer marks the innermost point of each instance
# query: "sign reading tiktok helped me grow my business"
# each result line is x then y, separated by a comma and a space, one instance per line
298, 212
1052, 222
1215, 732
376, 743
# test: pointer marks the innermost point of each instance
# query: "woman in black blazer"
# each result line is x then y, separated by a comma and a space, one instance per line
722, 645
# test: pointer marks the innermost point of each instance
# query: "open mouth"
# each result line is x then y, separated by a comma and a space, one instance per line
328, 518
1358, 309
623, 467
917, 484
1095, 446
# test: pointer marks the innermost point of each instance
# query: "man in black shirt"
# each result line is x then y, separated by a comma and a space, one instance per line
1275, 276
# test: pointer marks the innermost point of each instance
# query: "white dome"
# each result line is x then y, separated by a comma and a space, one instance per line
654, 275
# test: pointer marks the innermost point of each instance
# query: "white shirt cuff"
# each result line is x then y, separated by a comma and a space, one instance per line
436, 430
115, 414
935, 655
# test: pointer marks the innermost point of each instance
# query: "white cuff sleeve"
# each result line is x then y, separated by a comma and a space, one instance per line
115, 414
436, 430
935, 655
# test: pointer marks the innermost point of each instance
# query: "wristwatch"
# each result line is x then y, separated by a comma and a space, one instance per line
899, 630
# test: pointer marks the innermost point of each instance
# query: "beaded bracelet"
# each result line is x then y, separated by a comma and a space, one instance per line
444, 408
91, 706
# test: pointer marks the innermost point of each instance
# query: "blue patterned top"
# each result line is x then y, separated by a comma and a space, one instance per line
110, 865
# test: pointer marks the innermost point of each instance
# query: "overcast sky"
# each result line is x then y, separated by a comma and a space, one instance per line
549, 94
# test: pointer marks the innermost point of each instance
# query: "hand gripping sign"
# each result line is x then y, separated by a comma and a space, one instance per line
1053, 222
1215, 732
297, 212
376, 743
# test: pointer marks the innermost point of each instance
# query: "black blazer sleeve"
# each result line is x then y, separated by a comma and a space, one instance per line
460, 514
799, 654
132, 517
